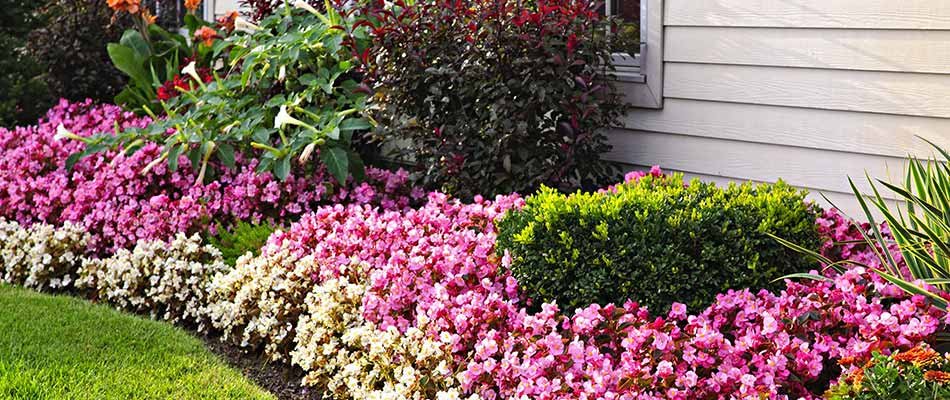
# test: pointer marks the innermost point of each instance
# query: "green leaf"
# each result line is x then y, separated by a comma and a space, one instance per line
226, 154
134, 40
805, 276
125, 60
173, 154
192, 22
73, 159
354, 124
282, 168
357, 169
336, 161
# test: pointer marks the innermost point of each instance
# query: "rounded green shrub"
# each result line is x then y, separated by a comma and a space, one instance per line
656, 241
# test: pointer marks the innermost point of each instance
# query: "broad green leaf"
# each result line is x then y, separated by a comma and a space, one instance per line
282, 168
125, 60
336, 161
226, 154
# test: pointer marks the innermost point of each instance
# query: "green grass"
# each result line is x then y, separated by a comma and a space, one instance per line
58, 347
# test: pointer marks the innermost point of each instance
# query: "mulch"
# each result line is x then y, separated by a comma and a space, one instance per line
280, 379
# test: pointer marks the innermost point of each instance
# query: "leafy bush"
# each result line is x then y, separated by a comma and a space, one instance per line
24, 96
656, 241
71, 47
257, 10
917, 374
242, 238
291, 99
493, 96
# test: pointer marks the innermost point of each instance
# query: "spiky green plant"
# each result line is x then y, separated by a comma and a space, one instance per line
919, 224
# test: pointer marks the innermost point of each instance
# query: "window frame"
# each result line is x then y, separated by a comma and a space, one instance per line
640, 76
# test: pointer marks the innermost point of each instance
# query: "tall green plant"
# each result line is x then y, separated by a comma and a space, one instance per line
286, 93
921, 229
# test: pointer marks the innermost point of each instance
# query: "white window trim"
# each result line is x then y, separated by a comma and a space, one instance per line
640, 76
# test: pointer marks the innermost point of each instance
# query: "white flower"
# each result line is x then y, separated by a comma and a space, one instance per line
243, 25
283, 118
190, 70
282, 73
63, 133
307, 151
303, 5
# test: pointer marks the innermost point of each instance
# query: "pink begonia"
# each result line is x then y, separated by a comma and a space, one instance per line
437, 267
108, 195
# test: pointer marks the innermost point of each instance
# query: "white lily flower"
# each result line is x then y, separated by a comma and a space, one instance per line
192, 71
301, 4
282, 73
63, 133
283, 118
243, 25
307, 152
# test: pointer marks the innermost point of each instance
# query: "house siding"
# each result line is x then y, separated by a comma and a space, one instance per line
221, 7
810, 91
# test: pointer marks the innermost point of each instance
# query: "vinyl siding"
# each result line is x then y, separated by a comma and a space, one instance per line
810, 91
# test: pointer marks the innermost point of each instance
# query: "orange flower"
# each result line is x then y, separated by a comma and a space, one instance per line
857, 377
192, 5
129, 6
226, 21
918, 356
206, 35
937, 376
148, 17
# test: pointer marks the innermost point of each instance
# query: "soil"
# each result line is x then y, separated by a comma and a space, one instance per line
280, 379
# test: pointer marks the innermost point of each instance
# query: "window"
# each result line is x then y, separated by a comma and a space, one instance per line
638, 50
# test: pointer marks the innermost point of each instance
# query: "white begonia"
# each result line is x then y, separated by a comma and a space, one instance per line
166, 280
257, 302
40, 256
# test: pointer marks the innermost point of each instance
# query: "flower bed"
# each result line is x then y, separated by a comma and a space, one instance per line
117, 200
378, 299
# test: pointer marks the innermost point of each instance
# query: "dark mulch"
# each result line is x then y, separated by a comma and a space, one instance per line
279, 379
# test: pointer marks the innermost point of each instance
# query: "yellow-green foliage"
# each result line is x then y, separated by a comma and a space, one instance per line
240, 239
656, 241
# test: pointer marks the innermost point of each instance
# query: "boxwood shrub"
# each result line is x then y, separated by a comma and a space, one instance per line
656, 240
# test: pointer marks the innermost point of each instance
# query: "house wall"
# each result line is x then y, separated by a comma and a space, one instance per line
812, 91
221, 7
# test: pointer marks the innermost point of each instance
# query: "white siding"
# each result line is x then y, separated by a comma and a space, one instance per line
811, 91
221, 7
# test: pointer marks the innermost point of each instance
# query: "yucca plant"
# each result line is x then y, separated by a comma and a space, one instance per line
920, 227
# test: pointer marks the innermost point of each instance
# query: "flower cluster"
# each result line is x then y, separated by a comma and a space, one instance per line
353, 359
167, 280
41, 256
117, 203
258, 303
918, 373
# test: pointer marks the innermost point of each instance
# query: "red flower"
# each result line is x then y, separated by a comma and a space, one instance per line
571, 44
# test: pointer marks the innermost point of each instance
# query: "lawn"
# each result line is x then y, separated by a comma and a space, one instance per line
59, 347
